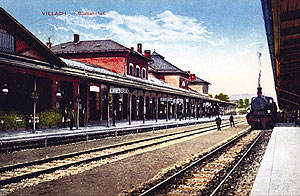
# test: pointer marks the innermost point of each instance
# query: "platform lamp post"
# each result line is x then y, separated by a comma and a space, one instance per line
78, 110
4, 91
34, 97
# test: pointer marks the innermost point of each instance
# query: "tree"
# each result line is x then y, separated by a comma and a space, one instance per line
210, 95
246, 103
241, 103
222, 97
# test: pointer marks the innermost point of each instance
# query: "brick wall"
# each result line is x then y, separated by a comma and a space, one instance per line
136, 60
115, 64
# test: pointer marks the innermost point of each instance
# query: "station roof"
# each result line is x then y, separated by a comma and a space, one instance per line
92, 46
282, 23
199, 81
160, 65
89, 46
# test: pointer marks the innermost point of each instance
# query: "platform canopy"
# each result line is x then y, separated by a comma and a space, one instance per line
282, 22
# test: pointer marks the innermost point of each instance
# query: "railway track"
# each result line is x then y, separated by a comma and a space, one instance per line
206, 175
9, 145
16, 173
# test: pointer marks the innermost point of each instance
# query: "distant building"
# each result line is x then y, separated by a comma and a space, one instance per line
169, 73
198, 84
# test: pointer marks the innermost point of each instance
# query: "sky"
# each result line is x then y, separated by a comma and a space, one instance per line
218, 40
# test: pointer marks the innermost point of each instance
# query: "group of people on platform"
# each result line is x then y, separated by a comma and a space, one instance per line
291, 117
68, 116
219, 121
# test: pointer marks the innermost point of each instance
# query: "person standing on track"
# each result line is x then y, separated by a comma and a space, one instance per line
218, 122
231, 121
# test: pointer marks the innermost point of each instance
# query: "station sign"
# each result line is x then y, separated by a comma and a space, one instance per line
116, 90
169, 99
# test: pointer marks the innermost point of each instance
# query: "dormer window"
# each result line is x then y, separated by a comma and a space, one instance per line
7, 42
143, 73
137, 71
130, 69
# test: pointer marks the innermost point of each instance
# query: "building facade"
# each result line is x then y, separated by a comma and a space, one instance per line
198, 84
100, 80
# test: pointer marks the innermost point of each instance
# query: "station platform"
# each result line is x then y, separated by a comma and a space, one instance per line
41, 133
279, 172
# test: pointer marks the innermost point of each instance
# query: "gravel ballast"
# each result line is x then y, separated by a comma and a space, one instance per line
125, 174
240, 183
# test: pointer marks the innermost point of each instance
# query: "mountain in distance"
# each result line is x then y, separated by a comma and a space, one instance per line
241, 96
246, 95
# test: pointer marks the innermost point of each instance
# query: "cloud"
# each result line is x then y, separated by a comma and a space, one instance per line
184, 41
258, 45
165, 27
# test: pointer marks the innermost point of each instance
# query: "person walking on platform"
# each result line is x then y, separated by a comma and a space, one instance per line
72, 120
64, 117
82, 118
231, 121
218, 122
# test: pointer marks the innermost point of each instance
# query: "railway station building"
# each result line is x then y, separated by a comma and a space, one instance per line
101, 80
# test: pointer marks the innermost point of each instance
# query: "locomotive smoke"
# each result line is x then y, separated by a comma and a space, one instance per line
259, 64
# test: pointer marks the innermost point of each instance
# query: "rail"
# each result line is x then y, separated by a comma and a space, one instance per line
29, 142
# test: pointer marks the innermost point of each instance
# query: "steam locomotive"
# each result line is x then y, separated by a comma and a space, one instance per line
262, 113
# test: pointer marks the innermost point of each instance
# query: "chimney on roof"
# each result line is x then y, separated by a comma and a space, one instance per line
48, 43
139, 48
76, 38
192, 77
132, 48
147, 53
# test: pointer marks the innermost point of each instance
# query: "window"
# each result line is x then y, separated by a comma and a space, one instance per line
143, 73
137, 71
183, 84
7, 42
130, 69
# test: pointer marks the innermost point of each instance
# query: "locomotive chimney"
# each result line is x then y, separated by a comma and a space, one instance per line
259, 91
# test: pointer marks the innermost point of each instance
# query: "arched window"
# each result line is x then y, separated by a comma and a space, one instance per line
137, 71
130, 69
143, 73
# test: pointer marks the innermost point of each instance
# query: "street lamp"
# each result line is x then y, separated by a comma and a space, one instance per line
34, 97
5, 89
